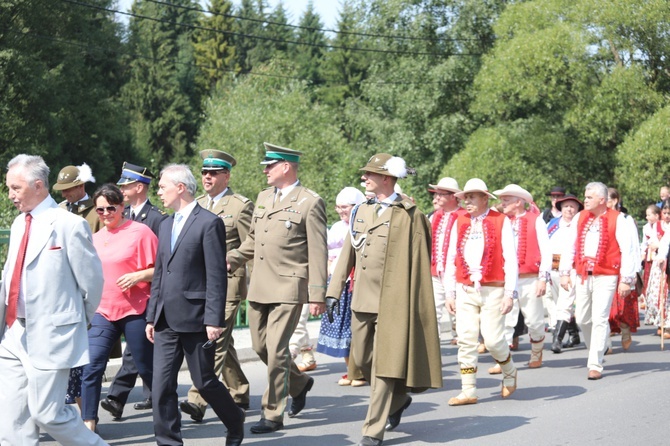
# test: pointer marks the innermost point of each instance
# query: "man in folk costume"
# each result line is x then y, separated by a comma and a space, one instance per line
480, 282
394, 327
442, 220
601, 248
534, 256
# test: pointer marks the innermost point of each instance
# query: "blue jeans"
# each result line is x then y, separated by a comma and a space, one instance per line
101, 338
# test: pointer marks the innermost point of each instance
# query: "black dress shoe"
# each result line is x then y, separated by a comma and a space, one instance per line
394, 418
144, 405
196, 413
298, 401
243, 406
236, 434
266, 426
370, 441
113, 407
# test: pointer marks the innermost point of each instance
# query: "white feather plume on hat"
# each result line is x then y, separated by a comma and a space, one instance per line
396, 166
85, 174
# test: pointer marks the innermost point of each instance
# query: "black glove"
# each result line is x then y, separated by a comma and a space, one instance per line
332, 305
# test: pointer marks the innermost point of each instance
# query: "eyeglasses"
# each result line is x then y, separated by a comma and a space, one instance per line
109, 209
212, 172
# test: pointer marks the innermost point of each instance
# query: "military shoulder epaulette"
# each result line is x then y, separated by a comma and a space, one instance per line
242, 198
162, 212
200, 197
311, 192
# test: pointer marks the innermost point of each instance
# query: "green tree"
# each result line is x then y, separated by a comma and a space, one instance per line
59, 81
251, 48
279, 31
214, 50
161, 95
309, 57
344, 68
262, 109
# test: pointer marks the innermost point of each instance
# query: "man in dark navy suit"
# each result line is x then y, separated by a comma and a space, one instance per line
187, 307
134, 183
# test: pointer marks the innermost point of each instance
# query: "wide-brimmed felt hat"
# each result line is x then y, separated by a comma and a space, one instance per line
386, 164
274, 154
514, 190
71, 176
559, 202
557, 190
217, 160
474, 185
446, 184
131, 173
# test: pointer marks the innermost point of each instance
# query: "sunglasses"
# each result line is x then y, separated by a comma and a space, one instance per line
212, 172
109, 209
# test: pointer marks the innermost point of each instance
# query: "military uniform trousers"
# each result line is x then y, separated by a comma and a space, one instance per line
271, 327
480, 310
387, 395
530, 306
593, 301
226, 363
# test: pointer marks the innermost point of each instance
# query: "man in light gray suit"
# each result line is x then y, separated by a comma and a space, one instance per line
51, 288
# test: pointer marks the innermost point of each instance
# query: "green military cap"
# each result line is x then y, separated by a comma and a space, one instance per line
216, 160
275, 153
71, 176
385, 164
131, 173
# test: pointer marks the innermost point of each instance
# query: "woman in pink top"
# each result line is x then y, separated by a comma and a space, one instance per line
127, 250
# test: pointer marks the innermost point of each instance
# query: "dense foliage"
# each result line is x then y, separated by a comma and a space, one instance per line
537, 92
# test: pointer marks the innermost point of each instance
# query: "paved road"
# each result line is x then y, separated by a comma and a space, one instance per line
554, 405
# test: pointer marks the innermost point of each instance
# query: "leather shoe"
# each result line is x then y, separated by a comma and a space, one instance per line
113, 407
298, 401
196, 413
266, 426
495, 370
144, 405
243, 406
370, 441
394, 419
236, 434
594, 375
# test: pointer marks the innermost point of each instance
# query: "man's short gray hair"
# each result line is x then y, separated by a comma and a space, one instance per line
181, 173
34, 166
599, 188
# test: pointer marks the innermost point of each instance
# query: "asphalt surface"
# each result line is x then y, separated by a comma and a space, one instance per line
554, 405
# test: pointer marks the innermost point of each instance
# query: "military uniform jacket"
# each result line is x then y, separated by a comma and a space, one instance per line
287, 242
149, 215
86, 210
235, 210
391, 254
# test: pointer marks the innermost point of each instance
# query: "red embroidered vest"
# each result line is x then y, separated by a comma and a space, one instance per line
438, 216
492, 258
527, 248
608, 257
659, 229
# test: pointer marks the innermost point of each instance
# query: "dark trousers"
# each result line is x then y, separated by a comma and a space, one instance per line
171, 348
125, 380
101, 338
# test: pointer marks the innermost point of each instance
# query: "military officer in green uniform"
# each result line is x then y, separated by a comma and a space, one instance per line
71, 184
235, 210
395, 340
134, 184
287, 242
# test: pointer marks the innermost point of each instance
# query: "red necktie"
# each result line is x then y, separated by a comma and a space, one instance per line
15, 284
